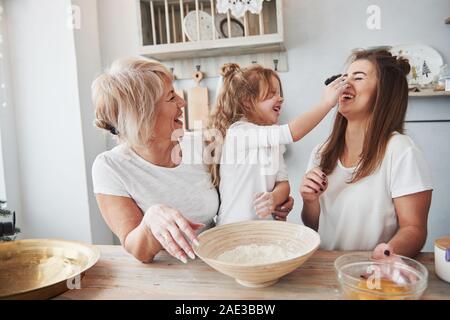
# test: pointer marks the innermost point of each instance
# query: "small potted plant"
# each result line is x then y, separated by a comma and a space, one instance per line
8, 229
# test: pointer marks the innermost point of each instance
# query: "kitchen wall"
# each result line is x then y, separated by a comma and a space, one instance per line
9, 157
2, 98
87, 51
51, 69
2, 176
319, 37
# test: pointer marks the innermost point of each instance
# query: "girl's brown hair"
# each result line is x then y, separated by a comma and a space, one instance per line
387, 115
242, 89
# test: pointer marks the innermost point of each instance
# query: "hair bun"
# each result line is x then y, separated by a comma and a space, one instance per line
101, 124
106, 126
229, 69
404, 65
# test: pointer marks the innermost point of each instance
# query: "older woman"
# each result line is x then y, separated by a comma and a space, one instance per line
368, 186
151, 195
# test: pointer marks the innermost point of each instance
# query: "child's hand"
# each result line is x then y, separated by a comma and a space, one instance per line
263, 204
330, 96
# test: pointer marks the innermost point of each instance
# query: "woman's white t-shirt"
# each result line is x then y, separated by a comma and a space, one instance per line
251, 162
360, 215
186, 188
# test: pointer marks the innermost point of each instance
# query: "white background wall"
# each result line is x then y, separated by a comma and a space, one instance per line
52, 69
87, 51
2, 181
9, 158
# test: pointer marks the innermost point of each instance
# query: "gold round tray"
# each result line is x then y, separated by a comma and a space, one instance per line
43, 268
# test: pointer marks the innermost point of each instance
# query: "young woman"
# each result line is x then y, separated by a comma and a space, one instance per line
368, 186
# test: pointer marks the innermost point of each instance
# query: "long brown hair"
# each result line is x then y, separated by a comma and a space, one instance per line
387, 115
242, 89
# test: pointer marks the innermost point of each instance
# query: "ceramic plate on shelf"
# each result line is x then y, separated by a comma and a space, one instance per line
237, 26
205, 23
424, 60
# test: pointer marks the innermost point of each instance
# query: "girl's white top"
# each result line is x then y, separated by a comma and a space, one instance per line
251, 162
358, 216
186, 188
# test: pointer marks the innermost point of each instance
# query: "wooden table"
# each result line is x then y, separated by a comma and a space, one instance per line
117, 275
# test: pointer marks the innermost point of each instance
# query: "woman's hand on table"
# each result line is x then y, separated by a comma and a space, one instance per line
314, 183
385, 252
171, 229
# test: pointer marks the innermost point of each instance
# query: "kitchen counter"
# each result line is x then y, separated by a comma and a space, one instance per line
117, 275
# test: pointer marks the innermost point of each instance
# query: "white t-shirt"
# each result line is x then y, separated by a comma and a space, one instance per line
251, 162
360, 215
186, 188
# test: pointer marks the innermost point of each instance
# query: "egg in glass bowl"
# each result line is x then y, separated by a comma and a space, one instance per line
363, 278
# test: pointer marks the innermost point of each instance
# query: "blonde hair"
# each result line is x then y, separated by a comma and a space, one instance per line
242, 89
125, 97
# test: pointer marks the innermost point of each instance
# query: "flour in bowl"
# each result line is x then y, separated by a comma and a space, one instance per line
256, 254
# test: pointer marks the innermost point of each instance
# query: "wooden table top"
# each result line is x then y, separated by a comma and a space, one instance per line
117, 275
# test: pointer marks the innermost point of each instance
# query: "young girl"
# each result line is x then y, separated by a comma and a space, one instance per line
252, 177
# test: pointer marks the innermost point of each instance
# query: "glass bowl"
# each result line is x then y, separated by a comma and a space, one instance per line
362, 278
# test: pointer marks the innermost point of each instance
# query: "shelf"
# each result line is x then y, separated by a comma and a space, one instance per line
163, 37
211, 48
430, 93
